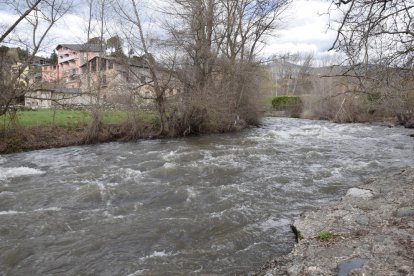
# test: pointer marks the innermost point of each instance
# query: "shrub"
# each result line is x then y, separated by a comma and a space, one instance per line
284, 101
290, 104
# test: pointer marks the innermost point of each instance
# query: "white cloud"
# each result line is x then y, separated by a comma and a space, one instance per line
71, 29
7, 18
305, 30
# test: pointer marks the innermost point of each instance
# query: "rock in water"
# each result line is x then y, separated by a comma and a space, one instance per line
357, 192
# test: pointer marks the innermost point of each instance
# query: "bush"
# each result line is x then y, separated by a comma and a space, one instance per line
290, 104
283, 102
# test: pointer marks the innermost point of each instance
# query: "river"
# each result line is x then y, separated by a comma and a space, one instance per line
218, 204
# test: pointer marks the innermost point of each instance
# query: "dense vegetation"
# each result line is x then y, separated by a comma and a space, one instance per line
281, 102
291, 105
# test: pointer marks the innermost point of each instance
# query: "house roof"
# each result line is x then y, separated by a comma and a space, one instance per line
136, 63
83, 47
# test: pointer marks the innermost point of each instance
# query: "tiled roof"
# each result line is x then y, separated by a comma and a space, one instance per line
83, 47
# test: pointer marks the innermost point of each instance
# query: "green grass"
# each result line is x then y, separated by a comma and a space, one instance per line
114, 117
64, 118
326, 236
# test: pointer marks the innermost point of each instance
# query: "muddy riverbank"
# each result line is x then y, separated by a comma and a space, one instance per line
369, 232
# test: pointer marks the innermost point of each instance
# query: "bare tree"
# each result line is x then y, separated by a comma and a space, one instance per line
17, 78
159, 81
221, 40
212, 46
377, 38
378, 31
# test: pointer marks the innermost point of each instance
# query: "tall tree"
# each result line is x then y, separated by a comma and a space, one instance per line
208, 53
53, 59
95, 40
377, 39
114, 44
223, 37
159, 77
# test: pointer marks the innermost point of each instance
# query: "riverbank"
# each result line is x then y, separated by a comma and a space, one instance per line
53, 136
33, 130
23, 139
43, 129
370, 232
389, 121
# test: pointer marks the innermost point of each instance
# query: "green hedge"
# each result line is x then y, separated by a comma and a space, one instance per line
282, 102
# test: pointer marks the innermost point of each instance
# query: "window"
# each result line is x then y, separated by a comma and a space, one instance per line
103, 79
111, 65
143, 79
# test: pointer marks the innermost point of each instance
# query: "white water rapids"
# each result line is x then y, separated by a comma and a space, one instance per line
217, 204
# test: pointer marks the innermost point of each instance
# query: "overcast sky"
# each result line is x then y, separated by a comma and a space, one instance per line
305, 30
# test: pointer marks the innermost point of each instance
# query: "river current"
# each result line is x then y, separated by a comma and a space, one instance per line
216, 204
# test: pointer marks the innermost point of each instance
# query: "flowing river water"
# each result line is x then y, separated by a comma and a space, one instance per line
217, 204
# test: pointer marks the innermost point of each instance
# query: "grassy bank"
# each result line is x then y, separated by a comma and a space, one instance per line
61, 118
30, 130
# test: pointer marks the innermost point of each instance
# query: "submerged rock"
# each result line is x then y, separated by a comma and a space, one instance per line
357, 192
374, 233
362, 219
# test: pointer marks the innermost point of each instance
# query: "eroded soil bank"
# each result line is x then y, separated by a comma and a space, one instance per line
43, 137
370, 232
22, 139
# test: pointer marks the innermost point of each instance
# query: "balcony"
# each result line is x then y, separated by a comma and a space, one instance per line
69, 58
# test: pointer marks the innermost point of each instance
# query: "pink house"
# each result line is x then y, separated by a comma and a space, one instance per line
70, 59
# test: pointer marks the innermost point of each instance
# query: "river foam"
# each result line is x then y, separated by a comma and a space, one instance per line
11, 212
6, 173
